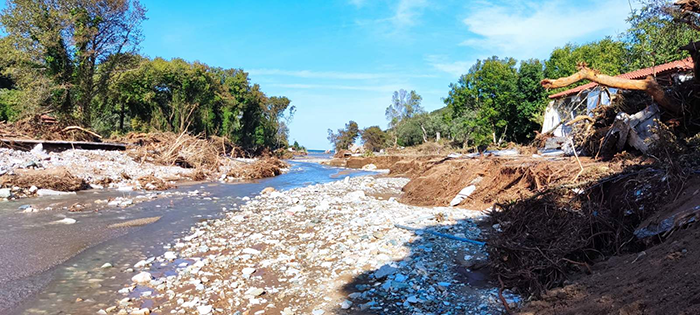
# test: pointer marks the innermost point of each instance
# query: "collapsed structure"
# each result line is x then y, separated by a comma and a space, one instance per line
580, 104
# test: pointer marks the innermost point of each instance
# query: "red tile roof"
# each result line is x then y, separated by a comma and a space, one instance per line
678, 65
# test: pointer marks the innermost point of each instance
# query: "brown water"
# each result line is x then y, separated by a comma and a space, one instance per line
49, 268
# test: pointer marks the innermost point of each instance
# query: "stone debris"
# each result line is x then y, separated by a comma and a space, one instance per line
322, 249
96, 167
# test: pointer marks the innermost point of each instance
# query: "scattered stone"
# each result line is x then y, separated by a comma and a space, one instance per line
170, 256
142, 278
204, 309
66, 221
254, 292
316, 240
49, 192
106, 266
384, 271
5, 193
267, 190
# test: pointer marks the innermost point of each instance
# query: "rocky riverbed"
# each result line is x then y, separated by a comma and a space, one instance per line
322, 249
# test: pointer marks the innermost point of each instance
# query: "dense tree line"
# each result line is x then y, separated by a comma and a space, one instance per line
78, 59
500, 100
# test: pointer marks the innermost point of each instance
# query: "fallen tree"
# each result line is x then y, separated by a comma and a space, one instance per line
648, 85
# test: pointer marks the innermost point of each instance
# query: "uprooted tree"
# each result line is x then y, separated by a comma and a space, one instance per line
648, 85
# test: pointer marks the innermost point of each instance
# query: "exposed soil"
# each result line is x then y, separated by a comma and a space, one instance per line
663, 279
496, 179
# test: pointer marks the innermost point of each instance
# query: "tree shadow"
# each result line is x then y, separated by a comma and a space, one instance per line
438, 276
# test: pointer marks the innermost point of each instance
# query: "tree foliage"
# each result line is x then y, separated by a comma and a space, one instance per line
374, 138
343, 138
74, 45
655, 35
79, 59
502, 100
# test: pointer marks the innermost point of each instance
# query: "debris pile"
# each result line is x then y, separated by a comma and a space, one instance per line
45, 127
183, 150
540, 241
258, 169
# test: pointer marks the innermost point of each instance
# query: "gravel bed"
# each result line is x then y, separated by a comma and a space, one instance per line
322, 249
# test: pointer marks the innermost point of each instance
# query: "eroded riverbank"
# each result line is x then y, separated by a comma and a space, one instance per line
321, 249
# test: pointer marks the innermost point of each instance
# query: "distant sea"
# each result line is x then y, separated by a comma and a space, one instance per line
321, 154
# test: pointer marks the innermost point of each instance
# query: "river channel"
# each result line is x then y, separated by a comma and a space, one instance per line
49, 267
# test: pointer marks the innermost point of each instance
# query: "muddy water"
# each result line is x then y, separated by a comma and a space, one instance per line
52, 268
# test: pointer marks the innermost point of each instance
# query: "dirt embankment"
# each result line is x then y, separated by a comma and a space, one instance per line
495, 179
660, 278
400, 165
618, 236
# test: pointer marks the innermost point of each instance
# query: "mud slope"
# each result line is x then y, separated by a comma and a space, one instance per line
496, 180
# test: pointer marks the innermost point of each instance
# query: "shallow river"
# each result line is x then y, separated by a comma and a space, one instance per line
53, 268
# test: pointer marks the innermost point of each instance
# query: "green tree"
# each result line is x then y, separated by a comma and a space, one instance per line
607, 55
491, 90
404, 105
342, 139
374, 138
66, 41
654, 35
532, 100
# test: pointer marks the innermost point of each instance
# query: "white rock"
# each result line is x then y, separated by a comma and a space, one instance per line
141, 264
248, 271
463, 194
49, 192
346, 304
106, 266
254, 292
66, 221
5, 193
369, 167
204, 309
170, 256
33, 189
250, 251
142, 278
354, 196
125, 188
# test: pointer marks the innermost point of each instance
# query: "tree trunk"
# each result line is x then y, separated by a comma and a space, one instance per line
425, 134
648, 85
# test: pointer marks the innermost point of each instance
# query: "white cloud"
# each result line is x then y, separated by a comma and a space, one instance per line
408, 12
454, 68
404, 15
528, 29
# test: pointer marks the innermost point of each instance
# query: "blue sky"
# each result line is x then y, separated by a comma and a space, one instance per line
339, 60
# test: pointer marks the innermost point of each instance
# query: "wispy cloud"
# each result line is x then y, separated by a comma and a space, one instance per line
408, 12
334, 75
532, 29
454, 68
404, 15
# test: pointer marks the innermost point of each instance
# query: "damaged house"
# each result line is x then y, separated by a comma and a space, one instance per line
580, 101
